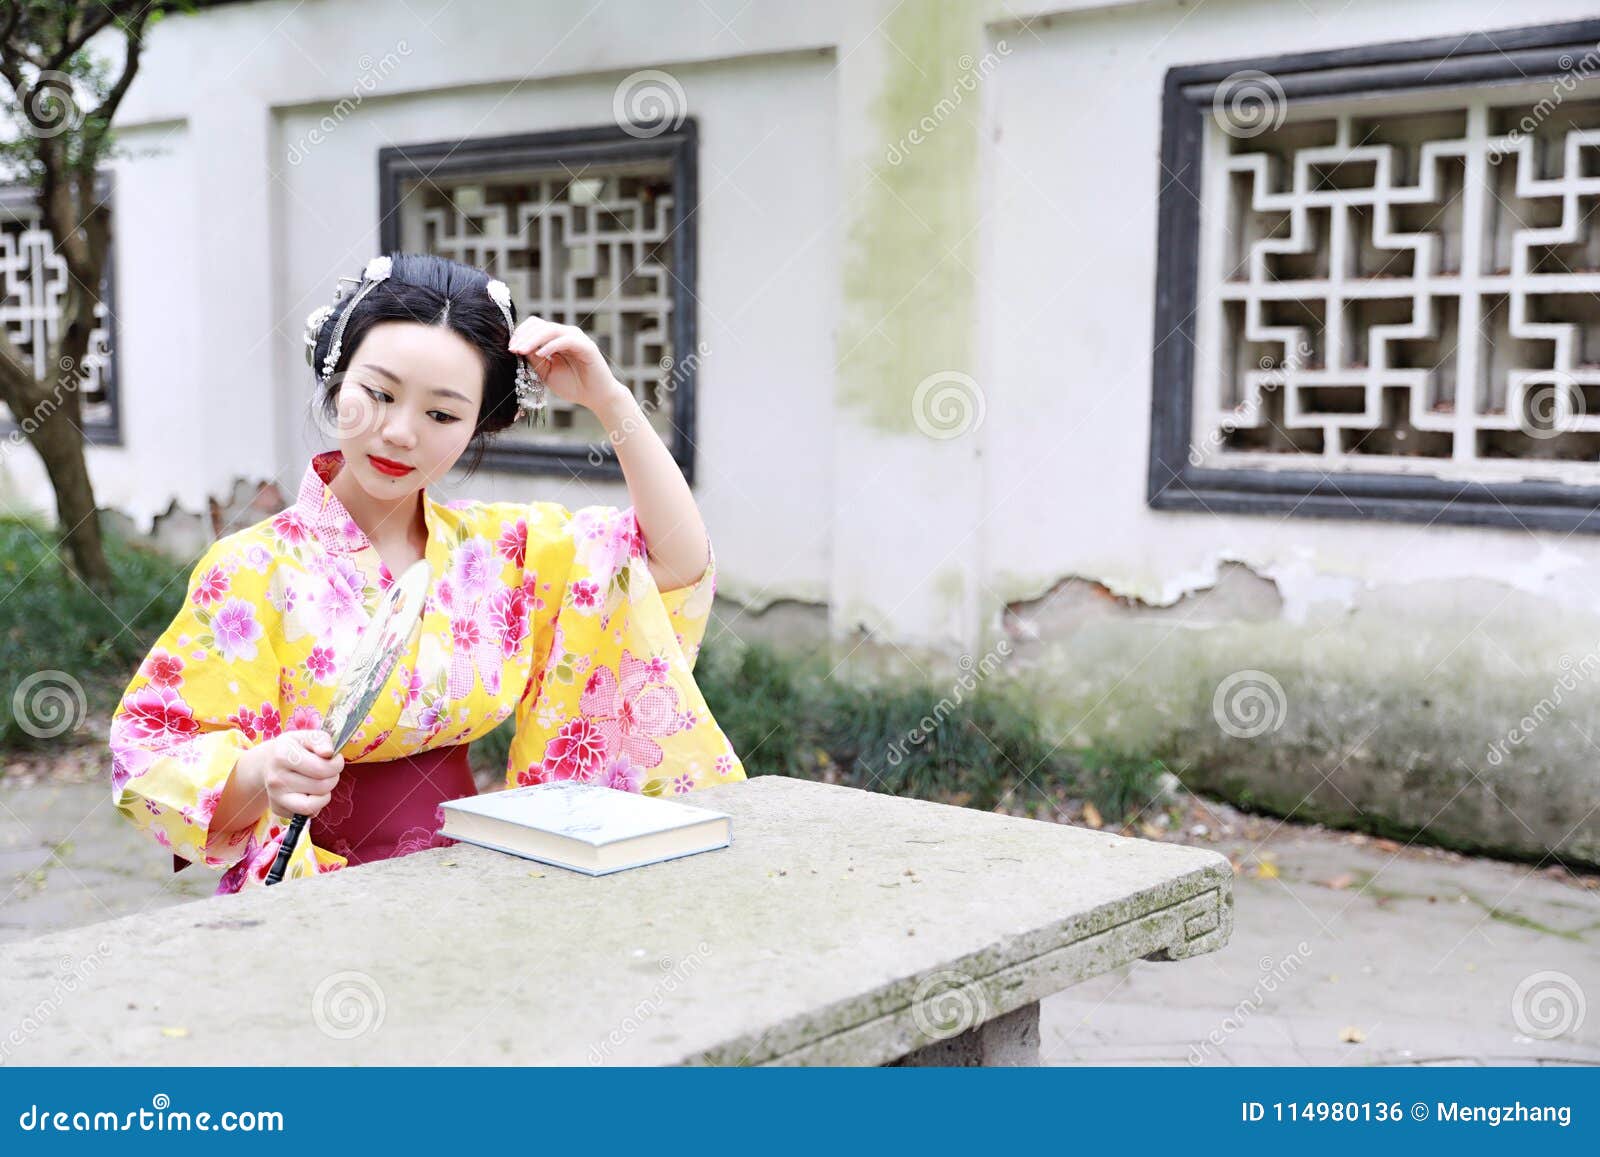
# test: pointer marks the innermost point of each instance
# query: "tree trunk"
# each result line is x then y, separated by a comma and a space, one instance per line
61, 447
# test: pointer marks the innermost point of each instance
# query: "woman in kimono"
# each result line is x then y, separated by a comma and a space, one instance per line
583, 624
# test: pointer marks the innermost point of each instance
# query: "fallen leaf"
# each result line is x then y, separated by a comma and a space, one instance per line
175, 1031
1092, 816
1340, 882
1267, 870
1351, 1035
537, 875
1151, 832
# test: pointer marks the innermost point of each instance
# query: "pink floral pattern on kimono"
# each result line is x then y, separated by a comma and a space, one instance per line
534, 611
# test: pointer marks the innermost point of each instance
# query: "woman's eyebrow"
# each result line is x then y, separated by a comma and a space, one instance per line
438, 391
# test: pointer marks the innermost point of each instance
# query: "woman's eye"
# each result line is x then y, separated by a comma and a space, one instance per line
377, 395
444, 418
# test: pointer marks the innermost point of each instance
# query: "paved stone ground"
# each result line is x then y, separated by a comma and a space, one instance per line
1359, 953
1346, 949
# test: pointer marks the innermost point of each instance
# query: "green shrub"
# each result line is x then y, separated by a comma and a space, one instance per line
51, 621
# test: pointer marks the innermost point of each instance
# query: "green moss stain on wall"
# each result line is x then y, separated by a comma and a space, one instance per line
909, 300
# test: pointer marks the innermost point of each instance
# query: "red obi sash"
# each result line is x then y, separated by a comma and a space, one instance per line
388, 807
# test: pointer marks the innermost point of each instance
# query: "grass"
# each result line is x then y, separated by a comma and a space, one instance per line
783, 714
51, 622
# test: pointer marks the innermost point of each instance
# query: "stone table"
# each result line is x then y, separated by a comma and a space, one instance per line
842, 927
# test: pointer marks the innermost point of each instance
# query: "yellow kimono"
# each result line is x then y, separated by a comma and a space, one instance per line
532, 608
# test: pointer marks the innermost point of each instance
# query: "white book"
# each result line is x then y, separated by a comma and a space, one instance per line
585, 827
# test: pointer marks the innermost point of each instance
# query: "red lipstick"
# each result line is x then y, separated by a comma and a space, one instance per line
392, 469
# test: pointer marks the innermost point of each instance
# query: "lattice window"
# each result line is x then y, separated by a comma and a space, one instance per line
1380, 283
587, 228
33, 277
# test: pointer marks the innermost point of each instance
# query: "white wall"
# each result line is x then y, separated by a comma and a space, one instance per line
223, 246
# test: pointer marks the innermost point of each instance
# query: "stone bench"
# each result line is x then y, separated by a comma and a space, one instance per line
842, 927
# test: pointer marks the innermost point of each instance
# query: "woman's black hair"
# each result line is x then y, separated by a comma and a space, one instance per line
432, 290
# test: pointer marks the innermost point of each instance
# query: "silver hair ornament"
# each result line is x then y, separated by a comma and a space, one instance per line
530, 390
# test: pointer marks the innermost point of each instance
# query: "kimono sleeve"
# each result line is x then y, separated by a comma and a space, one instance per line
207, 691
612, 698
689, 608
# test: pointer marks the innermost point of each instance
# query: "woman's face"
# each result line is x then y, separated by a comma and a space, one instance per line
409, 399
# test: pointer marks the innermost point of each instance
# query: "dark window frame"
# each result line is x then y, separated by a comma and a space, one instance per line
574, 148
1173, 482
106, 432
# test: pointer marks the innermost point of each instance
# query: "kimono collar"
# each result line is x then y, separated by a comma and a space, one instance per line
326, 517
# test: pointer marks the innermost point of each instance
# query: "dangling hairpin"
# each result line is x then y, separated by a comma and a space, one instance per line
530, 390
377, 270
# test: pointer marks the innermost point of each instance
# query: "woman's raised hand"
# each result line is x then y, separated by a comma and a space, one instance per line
568, 361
